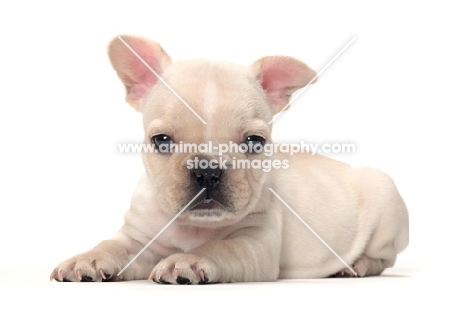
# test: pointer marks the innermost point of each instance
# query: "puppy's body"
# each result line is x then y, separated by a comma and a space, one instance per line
237, 230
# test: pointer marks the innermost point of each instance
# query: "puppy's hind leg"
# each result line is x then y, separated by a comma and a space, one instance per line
378, 255
386, 217
364, 266
391, 234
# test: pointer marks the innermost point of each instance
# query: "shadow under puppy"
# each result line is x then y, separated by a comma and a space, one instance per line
236, 230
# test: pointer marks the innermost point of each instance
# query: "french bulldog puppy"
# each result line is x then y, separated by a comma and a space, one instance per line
236, 229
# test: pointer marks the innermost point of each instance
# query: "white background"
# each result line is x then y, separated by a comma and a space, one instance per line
398, 93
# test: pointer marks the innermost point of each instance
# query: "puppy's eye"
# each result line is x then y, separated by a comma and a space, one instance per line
162, 142
255, 143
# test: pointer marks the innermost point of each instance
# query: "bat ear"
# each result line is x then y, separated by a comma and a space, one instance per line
280, 76
132, 70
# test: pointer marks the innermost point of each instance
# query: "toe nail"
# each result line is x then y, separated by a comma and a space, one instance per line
53, 275
205, 281
203, 278
103, 276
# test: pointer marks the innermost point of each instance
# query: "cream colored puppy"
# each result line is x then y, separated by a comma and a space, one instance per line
236, 230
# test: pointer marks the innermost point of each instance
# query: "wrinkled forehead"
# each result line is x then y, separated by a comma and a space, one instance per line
227, 97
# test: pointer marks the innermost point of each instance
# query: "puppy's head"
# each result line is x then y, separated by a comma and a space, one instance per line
205, 120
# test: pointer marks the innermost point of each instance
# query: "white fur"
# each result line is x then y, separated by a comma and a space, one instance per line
358, 212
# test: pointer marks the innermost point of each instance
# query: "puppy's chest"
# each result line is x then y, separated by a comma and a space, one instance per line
187, 237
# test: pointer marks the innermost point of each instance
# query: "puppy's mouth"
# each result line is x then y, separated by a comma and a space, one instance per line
207, 206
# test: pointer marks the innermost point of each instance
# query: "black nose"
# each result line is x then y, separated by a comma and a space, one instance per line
207, 178
206, 173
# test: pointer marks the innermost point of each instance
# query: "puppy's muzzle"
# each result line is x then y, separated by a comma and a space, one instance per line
208, 178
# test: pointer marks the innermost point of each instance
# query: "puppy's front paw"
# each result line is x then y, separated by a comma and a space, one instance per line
185, 269
87, 267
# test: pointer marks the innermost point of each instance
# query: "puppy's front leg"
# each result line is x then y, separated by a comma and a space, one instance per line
249, 255
104, 262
